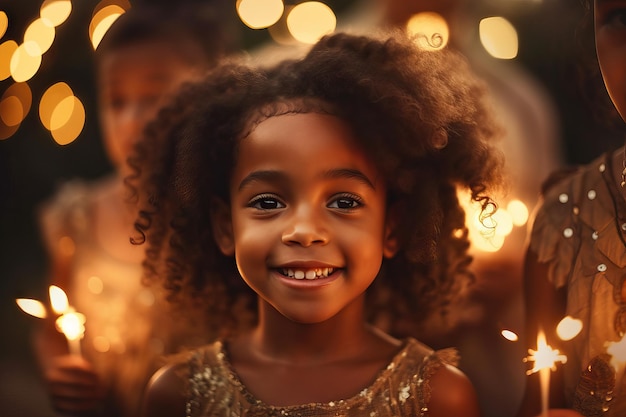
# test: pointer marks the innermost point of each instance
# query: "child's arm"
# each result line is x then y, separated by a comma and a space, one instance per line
165, 393
452, 394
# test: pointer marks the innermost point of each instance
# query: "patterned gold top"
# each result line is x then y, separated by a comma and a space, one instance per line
401, 389
580, 232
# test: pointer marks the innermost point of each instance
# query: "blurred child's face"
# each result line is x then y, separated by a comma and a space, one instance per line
134, 82
308, 216
610, 28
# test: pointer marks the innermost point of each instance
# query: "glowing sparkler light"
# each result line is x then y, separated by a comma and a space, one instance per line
545, 359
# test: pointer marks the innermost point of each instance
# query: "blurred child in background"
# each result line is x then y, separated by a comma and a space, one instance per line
144, 57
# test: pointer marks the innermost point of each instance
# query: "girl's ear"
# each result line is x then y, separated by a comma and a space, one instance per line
222, 226
390, 242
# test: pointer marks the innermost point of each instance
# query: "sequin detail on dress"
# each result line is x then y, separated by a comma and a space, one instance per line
401, 389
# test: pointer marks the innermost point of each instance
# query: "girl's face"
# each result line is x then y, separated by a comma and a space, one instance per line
610, 29
307, 216
134, 82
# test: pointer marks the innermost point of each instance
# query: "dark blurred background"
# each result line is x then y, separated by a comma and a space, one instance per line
32, 164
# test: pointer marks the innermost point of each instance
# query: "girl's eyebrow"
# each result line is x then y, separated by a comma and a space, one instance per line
267, 175
349, 174
270, 175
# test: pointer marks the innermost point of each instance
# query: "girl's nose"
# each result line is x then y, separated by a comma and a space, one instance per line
305, 228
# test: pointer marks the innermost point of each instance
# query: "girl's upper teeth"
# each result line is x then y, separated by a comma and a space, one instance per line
308, 273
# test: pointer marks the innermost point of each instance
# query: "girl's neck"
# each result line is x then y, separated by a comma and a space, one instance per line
344, 336
285, 363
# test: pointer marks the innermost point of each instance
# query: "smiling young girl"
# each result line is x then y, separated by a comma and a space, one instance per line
301, 204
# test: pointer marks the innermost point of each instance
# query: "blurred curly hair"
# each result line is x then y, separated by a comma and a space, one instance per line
420, 115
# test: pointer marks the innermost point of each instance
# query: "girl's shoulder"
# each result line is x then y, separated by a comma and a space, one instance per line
432, 377
166, 392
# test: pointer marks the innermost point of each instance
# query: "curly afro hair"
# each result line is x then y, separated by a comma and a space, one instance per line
420, 115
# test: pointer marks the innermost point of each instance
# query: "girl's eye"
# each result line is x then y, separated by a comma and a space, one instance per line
266, 202
346, 202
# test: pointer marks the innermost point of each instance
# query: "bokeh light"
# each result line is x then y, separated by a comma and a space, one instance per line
50, 100
518, 211
430, 30
38, 37
279, 31
62, 113
55, 12
309, 21
260, 14
4, 23
67, 132
102, 21
7, 131
7, 49
15, 104
488, 233
509, 335
568, 328
498, 37
24, 65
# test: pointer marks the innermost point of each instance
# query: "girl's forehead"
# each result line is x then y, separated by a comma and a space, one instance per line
303, 145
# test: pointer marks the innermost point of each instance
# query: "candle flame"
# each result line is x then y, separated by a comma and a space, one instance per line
544, 357
617, 350
58, 299
71, 324
32, 307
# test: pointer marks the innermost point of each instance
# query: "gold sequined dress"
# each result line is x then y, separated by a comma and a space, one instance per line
580, 231
401, 389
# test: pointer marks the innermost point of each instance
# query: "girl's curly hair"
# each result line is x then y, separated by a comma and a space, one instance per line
420, 115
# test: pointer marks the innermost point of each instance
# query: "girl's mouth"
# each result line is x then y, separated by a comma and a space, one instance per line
307, 273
